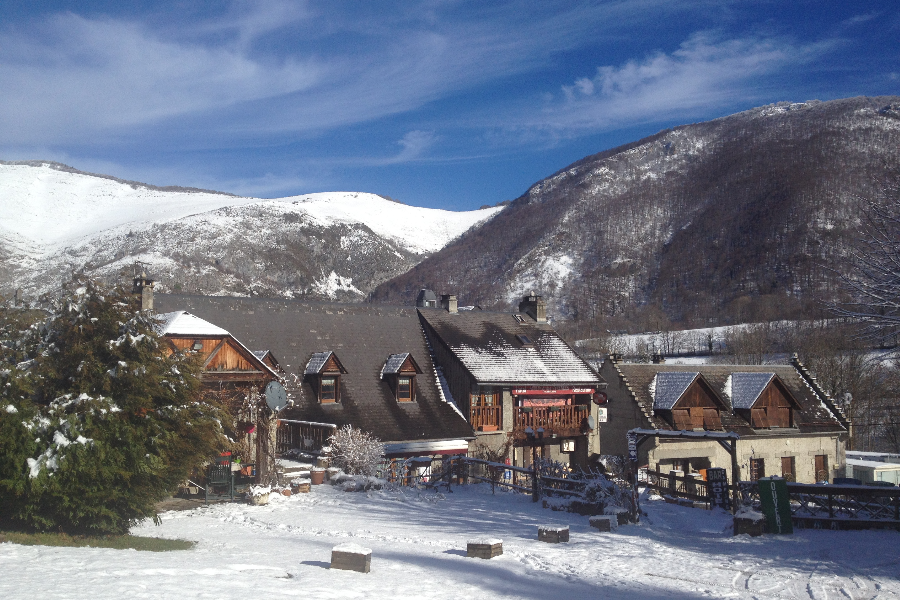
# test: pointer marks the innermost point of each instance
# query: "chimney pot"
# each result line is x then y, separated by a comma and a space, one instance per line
448, 303
533, 305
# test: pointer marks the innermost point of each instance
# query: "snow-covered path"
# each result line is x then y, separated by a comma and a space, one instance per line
283, 550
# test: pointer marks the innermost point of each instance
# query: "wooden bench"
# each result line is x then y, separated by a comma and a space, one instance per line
351, 557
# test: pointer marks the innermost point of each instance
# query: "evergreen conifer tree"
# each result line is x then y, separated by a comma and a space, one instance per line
107, 418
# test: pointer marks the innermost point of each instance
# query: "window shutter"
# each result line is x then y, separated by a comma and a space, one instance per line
758, 418
697, 418
682, 419
711, 419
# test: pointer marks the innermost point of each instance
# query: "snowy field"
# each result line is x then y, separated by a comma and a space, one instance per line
418, 551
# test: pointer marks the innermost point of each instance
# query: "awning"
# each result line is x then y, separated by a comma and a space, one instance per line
425, 448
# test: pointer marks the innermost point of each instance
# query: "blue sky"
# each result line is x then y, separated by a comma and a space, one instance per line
446, 104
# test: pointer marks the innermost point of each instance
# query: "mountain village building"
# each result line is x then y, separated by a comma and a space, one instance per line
231, 372
344, 364
511, 375
788, 426
426, 381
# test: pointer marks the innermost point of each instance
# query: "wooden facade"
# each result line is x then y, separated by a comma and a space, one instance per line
698, 408
774, 407
224, 359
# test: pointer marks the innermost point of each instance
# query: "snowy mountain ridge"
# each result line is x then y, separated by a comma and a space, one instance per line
337, 245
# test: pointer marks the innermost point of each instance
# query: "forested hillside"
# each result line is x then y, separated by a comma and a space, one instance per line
737, 219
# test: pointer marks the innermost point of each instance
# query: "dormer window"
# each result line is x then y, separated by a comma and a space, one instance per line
405, 389
328, 387
762, 399
324, 371
399, 371
688, 400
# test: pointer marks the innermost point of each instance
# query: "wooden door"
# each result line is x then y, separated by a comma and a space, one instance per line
787, 468
822, 468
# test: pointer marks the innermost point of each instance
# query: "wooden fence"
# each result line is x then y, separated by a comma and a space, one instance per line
836, 506
676, 486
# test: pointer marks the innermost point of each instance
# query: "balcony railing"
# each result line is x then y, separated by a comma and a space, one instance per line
561, 420
486, 418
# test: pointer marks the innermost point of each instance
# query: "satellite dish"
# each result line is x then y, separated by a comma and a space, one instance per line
591, 423
276, 396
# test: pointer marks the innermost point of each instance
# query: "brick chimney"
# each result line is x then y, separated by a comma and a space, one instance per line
448, 303
143, 286
534, 306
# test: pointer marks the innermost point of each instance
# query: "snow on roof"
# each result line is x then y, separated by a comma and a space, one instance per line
746, 388
393, 363
874, 464
316, 362
488, 346
668, 387
182, 322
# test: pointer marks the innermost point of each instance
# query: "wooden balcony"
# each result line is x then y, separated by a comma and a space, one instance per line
564, 421
486, 418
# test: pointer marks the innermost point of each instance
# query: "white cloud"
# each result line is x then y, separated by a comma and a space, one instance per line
704, 72
99, 75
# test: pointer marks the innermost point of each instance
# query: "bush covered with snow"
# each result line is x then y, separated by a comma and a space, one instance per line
357, 483
355, 451
101, 421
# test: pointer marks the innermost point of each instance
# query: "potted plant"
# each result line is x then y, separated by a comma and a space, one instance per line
317, 475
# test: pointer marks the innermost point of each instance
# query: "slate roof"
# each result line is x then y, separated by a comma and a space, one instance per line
316, 362
486, 344
813, 416
362, 336
667, 387
393, 363
745, 388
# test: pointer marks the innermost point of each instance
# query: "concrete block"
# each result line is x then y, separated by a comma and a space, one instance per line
488, 548
351, 557
553, 534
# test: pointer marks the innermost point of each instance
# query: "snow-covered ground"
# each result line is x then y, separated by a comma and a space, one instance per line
418, 551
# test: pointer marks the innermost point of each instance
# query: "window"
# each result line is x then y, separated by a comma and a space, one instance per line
757, 469
821, 467
525, 340
787, 468
405, 389
328, 390
519, 318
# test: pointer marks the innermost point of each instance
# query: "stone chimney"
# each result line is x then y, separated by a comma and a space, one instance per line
143, 285
448, 303
533, 306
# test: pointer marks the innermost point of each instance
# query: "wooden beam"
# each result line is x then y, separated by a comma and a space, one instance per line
213, 353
